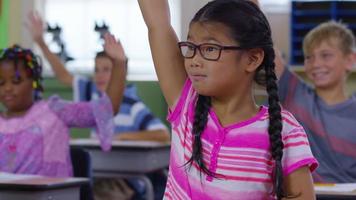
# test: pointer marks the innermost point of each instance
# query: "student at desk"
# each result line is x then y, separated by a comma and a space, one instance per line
325, 110
34, 133
134, 121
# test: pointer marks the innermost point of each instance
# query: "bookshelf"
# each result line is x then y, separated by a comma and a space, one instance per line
305, 15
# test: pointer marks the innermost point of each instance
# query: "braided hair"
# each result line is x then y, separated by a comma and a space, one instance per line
250, 28
30, 61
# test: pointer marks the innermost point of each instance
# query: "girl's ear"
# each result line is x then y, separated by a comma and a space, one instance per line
255, 58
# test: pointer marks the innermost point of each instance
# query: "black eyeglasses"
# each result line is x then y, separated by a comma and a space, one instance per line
207, 50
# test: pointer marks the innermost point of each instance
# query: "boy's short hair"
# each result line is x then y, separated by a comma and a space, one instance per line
101, 54
326, 32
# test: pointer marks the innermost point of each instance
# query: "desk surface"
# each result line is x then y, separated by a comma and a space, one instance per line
116, 144
126, 157
340, 189
35, 182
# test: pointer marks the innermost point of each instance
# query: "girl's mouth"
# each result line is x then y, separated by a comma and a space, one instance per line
197, 77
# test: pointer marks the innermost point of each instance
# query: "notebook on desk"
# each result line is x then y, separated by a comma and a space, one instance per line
335, 188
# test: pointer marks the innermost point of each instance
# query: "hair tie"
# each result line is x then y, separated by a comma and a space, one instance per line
34, 84
17, 73
28, 57
30, 64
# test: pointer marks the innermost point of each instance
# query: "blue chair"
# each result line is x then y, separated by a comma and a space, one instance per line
81, 162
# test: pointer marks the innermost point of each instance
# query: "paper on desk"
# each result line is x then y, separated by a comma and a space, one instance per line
14, 177
123, 143
340, 187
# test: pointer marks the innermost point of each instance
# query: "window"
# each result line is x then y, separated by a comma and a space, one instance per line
275, 5
77, 19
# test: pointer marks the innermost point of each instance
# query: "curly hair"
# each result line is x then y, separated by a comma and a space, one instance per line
30, 61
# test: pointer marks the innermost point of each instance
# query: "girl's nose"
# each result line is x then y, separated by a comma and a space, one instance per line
196, 60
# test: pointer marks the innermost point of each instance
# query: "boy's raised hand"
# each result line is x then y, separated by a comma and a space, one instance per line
114, 48
116, 85
35, 26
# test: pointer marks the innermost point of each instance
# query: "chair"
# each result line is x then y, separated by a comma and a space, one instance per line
81, 162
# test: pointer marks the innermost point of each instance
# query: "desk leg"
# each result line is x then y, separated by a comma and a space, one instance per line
149, 187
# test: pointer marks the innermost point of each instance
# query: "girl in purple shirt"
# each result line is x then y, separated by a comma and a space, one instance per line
34, 133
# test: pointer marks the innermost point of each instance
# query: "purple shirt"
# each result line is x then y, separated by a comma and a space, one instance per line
38, 142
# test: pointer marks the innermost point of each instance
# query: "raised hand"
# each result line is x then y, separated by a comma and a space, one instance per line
114, 48
167, 59
35, 26
116, 86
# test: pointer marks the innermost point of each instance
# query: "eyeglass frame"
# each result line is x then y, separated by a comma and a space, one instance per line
220, 47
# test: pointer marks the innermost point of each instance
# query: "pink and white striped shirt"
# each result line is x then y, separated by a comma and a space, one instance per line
238, 153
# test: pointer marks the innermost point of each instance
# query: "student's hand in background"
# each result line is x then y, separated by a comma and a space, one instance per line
35, 26
116, 87
279, 62
114, 48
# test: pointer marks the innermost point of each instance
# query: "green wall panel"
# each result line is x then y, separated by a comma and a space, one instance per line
148, 91
4, 23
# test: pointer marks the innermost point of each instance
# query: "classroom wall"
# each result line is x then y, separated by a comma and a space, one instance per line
280, 25
188, 9
4, 23
18, 10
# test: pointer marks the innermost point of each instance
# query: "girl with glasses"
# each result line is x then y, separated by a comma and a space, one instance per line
224, 145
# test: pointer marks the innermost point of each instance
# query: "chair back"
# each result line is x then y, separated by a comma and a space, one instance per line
81, 163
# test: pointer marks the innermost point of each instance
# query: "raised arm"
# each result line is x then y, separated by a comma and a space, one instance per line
166, 56
116, 85
280, 63
35, 26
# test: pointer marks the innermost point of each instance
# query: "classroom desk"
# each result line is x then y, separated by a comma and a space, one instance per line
127, 159
342, 191
34, 187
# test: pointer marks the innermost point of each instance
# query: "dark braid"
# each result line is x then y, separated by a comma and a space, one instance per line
275, 121
32, 64
200, 119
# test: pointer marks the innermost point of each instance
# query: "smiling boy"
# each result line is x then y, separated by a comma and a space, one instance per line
326, 110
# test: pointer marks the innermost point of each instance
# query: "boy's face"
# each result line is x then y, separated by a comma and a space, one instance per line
327, 66
103, 67
16, 92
